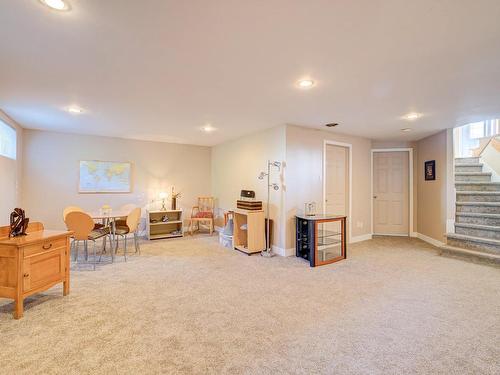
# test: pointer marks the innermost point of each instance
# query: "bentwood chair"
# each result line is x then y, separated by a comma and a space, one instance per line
69, 209
203, 213
131, 227
122, 221
82, 226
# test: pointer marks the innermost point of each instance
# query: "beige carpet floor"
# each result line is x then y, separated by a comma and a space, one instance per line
191, 307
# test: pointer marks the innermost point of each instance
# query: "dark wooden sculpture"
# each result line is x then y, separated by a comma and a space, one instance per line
18, 223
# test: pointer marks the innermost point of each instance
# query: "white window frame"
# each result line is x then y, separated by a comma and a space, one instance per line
8, 141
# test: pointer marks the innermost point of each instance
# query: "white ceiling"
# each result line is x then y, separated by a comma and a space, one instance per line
161, 69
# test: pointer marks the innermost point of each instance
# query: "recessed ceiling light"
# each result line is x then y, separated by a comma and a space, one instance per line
412, 116
406, 130
75, 110
305, 83
208, 128
56, 4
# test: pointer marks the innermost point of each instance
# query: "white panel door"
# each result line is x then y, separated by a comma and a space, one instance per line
337, 181
390, 193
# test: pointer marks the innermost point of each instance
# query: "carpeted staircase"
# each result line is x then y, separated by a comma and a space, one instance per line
477, 221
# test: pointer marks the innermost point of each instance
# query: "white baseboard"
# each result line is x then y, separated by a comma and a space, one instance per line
283, 252
414, 234
430, 240
363, 237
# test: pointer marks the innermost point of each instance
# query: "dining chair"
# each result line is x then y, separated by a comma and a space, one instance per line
202, 213
82, 226
122, 221
69, 209
131, 227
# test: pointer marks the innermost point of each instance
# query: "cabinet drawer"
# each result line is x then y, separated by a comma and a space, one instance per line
42, 269
44, 247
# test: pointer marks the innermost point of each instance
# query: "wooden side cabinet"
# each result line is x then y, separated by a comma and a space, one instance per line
249, 231
33, 263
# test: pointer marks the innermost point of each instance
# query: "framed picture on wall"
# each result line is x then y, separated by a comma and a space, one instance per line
430, 170
104, 177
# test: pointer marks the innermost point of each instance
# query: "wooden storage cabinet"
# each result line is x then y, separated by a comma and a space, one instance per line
251, 240
33, 263
45, 267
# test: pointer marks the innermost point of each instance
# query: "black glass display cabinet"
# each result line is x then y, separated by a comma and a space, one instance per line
321, 239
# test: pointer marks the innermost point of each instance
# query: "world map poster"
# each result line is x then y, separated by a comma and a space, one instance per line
104, 177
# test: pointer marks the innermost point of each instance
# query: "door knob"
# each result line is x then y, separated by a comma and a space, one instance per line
374, 197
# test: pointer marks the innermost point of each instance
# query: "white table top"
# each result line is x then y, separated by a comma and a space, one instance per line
111, 215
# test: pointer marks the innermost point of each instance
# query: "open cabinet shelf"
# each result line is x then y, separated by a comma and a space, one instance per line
164, 224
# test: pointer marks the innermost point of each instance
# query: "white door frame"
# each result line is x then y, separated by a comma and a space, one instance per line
349, 148
410, 182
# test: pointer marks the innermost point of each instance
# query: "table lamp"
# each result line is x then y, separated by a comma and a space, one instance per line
163, 196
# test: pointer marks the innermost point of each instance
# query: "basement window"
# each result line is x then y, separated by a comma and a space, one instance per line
8, 141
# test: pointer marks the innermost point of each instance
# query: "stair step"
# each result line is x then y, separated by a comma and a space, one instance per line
478, 196
478, 230
469, 160
468, 167
464, 241
477, 218
473, 176
479, 207
470, 255
477, 186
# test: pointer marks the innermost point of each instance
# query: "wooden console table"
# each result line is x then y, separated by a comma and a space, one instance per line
33, 263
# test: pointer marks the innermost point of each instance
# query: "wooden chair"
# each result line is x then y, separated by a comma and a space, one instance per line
203, 213
132, 226
82, 226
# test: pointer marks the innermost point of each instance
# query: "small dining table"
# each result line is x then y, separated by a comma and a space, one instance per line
109, 220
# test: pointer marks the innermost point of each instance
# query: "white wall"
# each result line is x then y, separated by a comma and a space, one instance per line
491, 158
304, 157
10, 176
51, 164
236, 165
433, 195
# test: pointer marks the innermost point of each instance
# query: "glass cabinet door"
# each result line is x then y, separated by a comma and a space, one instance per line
329, 241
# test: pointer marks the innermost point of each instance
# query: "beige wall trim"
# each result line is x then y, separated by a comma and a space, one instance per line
410, 173
283, 252
349, 217
430, 240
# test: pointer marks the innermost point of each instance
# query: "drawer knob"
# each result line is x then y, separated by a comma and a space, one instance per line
26, 275
46, 247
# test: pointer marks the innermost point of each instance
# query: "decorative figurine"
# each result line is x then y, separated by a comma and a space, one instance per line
18, 223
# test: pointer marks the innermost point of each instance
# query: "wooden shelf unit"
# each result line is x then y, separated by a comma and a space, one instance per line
157, 229
253, 239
